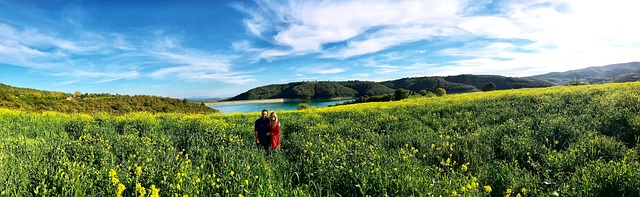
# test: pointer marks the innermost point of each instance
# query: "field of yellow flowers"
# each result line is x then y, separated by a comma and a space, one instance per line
558, 141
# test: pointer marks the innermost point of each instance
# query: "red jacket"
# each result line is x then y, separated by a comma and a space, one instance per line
275, 135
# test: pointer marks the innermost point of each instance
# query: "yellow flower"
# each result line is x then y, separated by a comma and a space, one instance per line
350, 171
246, 182
232, 173
154, 191
524, 190
240, 195
464, 168
454, 193
141, 190
114, 179
518, 195
248, 167
121, 189
198, 180
487, 188
138, 171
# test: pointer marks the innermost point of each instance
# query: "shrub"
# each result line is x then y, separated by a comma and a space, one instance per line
423, 92
303, 106
401, 94
489, 87
440, 92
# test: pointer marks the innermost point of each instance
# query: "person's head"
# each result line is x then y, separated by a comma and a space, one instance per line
274, 117
265, 113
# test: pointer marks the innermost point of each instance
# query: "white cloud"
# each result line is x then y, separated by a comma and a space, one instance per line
319, 69
113, 57
558, 35
303, 27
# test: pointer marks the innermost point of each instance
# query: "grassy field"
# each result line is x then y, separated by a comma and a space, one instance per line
566, 141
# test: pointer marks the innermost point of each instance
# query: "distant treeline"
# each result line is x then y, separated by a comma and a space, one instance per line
37, 100
356, 89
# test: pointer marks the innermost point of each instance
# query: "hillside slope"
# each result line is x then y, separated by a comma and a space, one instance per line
596, 74
501, 82
315, 90
38, 100
330, 89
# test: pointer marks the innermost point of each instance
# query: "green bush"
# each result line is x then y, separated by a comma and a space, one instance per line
303, 106
440, 92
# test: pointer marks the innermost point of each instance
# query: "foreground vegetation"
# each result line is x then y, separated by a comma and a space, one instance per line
566, 141
38, 100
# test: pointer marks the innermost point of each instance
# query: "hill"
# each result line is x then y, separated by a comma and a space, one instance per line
315, 90
330, 89
37, 100
501, 82
557, 141
595, 75
417, 84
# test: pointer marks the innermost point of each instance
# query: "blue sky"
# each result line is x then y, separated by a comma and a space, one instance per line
223, 48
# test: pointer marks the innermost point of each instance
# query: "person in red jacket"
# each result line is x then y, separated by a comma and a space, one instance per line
274, 131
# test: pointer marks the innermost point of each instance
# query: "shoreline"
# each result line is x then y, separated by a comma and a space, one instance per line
276, 100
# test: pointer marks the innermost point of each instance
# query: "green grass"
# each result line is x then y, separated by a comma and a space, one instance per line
573, 141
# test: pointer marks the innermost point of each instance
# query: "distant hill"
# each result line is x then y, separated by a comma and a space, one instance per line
38, 100
329, 89
501, 82
600, 74
315, 90
417, 84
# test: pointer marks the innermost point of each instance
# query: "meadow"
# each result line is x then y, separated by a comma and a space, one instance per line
557, 141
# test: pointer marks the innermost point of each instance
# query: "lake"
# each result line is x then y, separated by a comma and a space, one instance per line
271, 106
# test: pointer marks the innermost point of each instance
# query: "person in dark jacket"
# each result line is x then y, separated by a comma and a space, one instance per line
261, 129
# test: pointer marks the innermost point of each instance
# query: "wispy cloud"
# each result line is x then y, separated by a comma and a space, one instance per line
319, 69
560, 35
112, 56
303, 27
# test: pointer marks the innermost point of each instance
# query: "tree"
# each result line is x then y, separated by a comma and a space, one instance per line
440, 92
77, 94
302, 106
401, 94
489, 87
423, 92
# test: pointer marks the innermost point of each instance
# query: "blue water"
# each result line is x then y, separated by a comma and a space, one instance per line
257, 107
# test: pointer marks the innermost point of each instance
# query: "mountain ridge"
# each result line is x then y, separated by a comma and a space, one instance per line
620, 72
355, 88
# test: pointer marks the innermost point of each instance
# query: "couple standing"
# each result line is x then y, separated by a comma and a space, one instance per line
268, 131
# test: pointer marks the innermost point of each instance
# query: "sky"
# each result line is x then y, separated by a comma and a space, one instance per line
221, 48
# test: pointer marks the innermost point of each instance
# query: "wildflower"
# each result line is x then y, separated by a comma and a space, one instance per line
198, 180
154, 191
518, 195
350, 171
454, 193
240, 195
141, 190
487, 188
232, 173
524, 190
138, 171
246, 182
248, 167
464, 168
114, 179
121, 189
